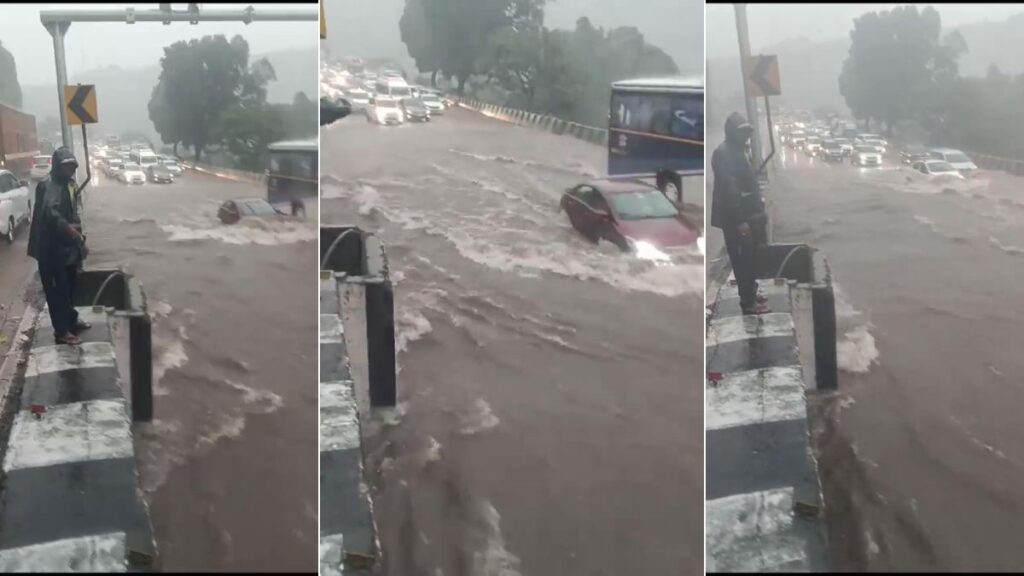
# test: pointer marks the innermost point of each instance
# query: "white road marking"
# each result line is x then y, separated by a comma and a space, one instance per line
753, 533
339, 422
47, 359
332, 555
755, 397
97, 553
81, 431
331, 329
737, 328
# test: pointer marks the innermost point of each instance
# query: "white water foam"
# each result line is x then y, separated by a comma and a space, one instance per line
480, 418
494, 559
255, 231
855, 347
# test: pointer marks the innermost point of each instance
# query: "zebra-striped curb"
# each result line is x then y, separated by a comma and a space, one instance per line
762, 490
547, 123
72, 499
347, 536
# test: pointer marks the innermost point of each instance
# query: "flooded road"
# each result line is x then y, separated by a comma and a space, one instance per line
235, 371
550, 417
923, 468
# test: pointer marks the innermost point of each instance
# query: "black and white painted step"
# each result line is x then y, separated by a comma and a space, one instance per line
71, 498
346, 517
762, 488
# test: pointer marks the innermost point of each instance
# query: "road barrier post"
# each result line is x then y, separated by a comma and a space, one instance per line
140, 343
380, 337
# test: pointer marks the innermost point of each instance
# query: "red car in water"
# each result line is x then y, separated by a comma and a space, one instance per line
627, 212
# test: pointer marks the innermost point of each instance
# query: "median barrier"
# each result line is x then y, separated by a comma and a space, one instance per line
71, 496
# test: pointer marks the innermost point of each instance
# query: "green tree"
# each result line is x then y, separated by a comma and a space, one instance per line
246, 130
199, 81
896, 59
448, 36
10, 89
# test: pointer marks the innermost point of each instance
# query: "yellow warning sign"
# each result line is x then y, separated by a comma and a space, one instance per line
80, 104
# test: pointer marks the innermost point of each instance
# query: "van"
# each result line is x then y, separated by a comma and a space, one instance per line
144, 158
393, 88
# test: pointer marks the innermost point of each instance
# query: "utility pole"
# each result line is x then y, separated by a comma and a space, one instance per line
744, 38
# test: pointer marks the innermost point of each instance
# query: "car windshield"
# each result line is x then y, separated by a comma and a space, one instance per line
260, 208
642, 205
131, 166
940, 166
957, 157
866, 149
387, 104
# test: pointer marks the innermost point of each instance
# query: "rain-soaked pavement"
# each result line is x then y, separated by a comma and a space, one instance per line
550, 415
923, 465
235, 348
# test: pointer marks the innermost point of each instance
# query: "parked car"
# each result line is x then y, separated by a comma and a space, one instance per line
132, 174
159, 174
864, 155
936, 168
15, 204
956, 159
40, 167
633, 215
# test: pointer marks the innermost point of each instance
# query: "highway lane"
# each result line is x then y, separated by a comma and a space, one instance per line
234, 437
921, 457
550, 417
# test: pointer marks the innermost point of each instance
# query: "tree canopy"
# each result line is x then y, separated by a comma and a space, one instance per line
896, 59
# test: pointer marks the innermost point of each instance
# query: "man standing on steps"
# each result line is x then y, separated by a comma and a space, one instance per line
58, 245
738, 209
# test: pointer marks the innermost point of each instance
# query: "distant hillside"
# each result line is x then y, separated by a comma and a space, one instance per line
810, 69
123, 94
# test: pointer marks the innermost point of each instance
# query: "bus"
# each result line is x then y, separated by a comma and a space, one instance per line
656, 130
291, 175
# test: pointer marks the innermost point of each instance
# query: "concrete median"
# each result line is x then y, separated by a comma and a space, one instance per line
552, 124
764, 501
71, 498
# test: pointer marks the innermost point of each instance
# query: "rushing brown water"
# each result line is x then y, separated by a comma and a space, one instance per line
229, 464
550, 390
920, 450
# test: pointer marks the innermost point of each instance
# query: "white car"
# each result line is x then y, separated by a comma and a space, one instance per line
132, 174
172, 166
40, 167
877, 143
954, 158
359, 98
936, 168
812, 145
15, 204
433, 103
385, 111
864, 155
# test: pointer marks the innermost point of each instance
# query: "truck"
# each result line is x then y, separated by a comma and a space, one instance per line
18, 142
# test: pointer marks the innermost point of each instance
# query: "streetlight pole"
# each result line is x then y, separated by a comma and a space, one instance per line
744, 39
57, 23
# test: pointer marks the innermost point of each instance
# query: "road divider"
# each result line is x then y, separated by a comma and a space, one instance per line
227, 173
552, 124
1009, 165
351, 260
71, 495
764, 503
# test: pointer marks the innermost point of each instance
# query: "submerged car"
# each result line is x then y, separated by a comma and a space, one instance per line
233, 211
633, 215
936, 168
956, 159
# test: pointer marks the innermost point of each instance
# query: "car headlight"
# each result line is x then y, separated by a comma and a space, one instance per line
644, 250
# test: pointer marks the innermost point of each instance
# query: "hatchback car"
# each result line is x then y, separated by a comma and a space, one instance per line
628, 213
233, 211
132, 174
936, 168
159, 174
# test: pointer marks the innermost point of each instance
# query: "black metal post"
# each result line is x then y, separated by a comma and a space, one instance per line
380, 337
823, 310
140, 345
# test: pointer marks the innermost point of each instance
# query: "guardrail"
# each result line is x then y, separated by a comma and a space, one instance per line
1009, 165
544, 122
227, 173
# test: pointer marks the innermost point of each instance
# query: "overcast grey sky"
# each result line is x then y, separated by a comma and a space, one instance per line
770, 24
91, 46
